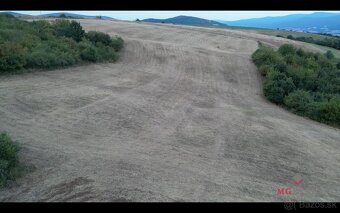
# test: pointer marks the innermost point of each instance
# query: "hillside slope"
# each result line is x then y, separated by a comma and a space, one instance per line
180, 117
186, 20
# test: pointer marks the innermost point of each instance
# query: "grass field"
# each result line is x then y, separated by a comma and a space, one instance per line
179, 117
286, 33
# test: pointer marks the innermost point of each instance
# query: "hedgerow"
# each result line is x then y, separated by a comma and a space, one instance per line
39, 44
305, 83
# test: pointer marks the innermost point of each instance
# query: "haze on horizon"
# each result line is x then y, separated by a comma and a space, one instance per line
212, 15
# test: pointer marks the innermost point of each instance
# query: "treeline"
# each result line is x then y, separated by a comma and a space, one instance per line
327, 34
41, 44
333, 42
305, 83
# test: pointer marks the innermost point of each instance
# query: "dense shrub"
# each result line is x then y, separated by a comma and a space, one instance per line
277, 86
305, 83
281, 67
96, 37
117, 43
12, 56
266, 56
40, 44
99, 39
329, 54
299, 101
265, 69
287, 49
8, 158
69, 29
330, 110
89, 53
107, 54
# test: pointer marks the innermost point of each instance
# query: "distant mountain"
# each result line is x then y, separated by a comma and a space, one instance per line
319, 22
73, 15
14, 14
186, 20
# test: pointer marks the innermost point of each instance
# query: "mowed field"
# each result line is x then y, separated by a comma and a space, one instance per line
180, 117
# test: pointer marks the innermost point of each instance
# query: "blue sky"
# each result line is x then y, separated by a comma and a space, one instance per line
214, 15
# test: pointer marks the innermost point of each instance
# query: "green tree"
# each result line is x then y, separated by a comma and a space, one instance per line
12, 57
299, 101
281, 67
329, 54
266, 56
330, 111
69, 29
287, 49
265, 69
95, 37
277, 86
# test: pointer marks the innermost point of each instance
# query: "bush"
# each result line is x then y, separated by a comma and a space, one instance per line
300, 52
329, 54
12, 57
99, 38
107, 54
69, 29
265, 69
330, 111
299, 101
117, 43
266, 56
8, 158
287, 49
88, 52
277, 86
281, 67
51, 55
96, 37
302, 76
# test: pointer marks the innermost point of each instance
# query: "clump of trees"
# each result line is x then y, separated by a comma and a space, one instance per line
333, 42
8, 159
305, 83
39, 44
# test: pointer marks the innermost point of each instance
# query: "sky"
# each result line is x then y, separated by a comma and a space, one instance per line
212, 15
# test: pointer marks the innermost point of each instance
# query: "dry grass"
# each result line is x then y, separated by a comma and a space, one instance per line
180, 117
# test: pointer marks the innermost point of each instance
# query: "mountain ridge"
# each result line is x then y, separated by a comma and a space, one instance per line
187, 20
74, 15
320, 22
